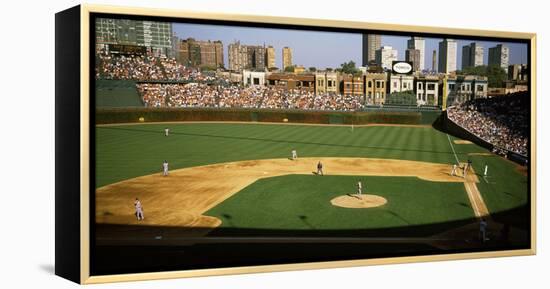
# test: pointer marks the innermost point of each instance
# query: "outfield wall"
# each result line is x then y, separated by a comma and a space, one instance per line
131, 115
116, 93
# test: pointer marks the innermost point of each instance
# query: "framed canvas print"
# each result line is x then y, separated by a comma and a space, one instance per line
194, 144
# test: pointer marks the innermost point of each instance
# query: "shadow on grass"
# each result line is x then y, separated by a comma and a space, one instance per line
132, 248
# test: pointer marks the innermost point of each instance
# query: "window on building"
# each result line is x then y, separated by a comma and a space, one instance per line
395, 85
378, 84
256, 81
480, 87
419, 85
378, 95
451, 86
430, 86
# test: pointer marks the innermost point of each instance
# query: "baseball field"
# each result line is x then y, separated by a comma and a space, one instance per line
239, 178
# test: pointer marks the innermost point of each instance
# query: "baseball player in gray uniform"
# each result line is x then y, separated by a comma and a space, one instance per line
139, 210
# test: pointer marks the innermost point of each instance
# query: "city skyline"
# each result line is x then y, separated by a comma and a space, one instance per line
336, 48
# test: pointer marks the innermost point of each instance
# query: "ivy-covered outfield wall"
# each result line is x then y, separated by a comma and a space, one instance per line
130, 115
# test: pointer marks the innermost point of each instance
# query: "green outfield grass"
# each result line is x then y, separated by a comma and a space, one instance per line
501, 189
128, 151
302, 202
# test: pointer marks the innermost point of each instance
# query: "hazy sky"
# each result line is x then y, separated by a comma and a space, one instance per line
323, 49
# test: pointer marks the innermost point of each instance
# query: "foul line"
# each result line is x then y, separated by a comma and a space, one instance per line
470, 193
453, 148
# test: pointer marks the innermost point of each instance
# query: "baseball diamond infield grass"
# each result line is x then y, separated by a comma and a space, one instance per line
302, 202
128, 151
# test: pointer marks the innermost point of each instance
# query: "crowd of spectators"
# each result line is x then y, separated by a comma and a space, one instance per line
502, 121
145, 68
153, 95
233, 96
128, 67
279, 98
157, 77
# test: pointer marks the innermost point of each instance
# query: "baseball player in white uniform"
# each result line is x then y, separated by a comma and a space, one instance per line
165, 168
453, 171
139, 210
359, 188
294, 154
485, 172
166, 131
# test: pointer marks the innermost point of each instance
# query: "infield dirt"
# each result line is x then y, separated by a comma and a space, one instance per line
181, 198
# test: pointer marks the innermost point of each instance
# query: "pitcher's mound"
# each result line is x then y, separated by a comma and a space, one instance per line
358, 201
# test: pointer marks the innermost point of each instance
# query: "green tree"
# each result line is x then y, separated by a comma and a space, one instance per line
495, 74
401, 98
349, 68
290, 68
328, 69
312, 69
477, 70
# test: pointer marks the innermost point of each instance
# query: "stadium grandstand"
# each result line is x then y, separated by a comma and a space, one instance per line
501, 121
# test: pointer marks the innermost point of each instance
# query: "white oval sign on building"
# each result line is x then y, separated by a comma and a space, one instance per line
402, 67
